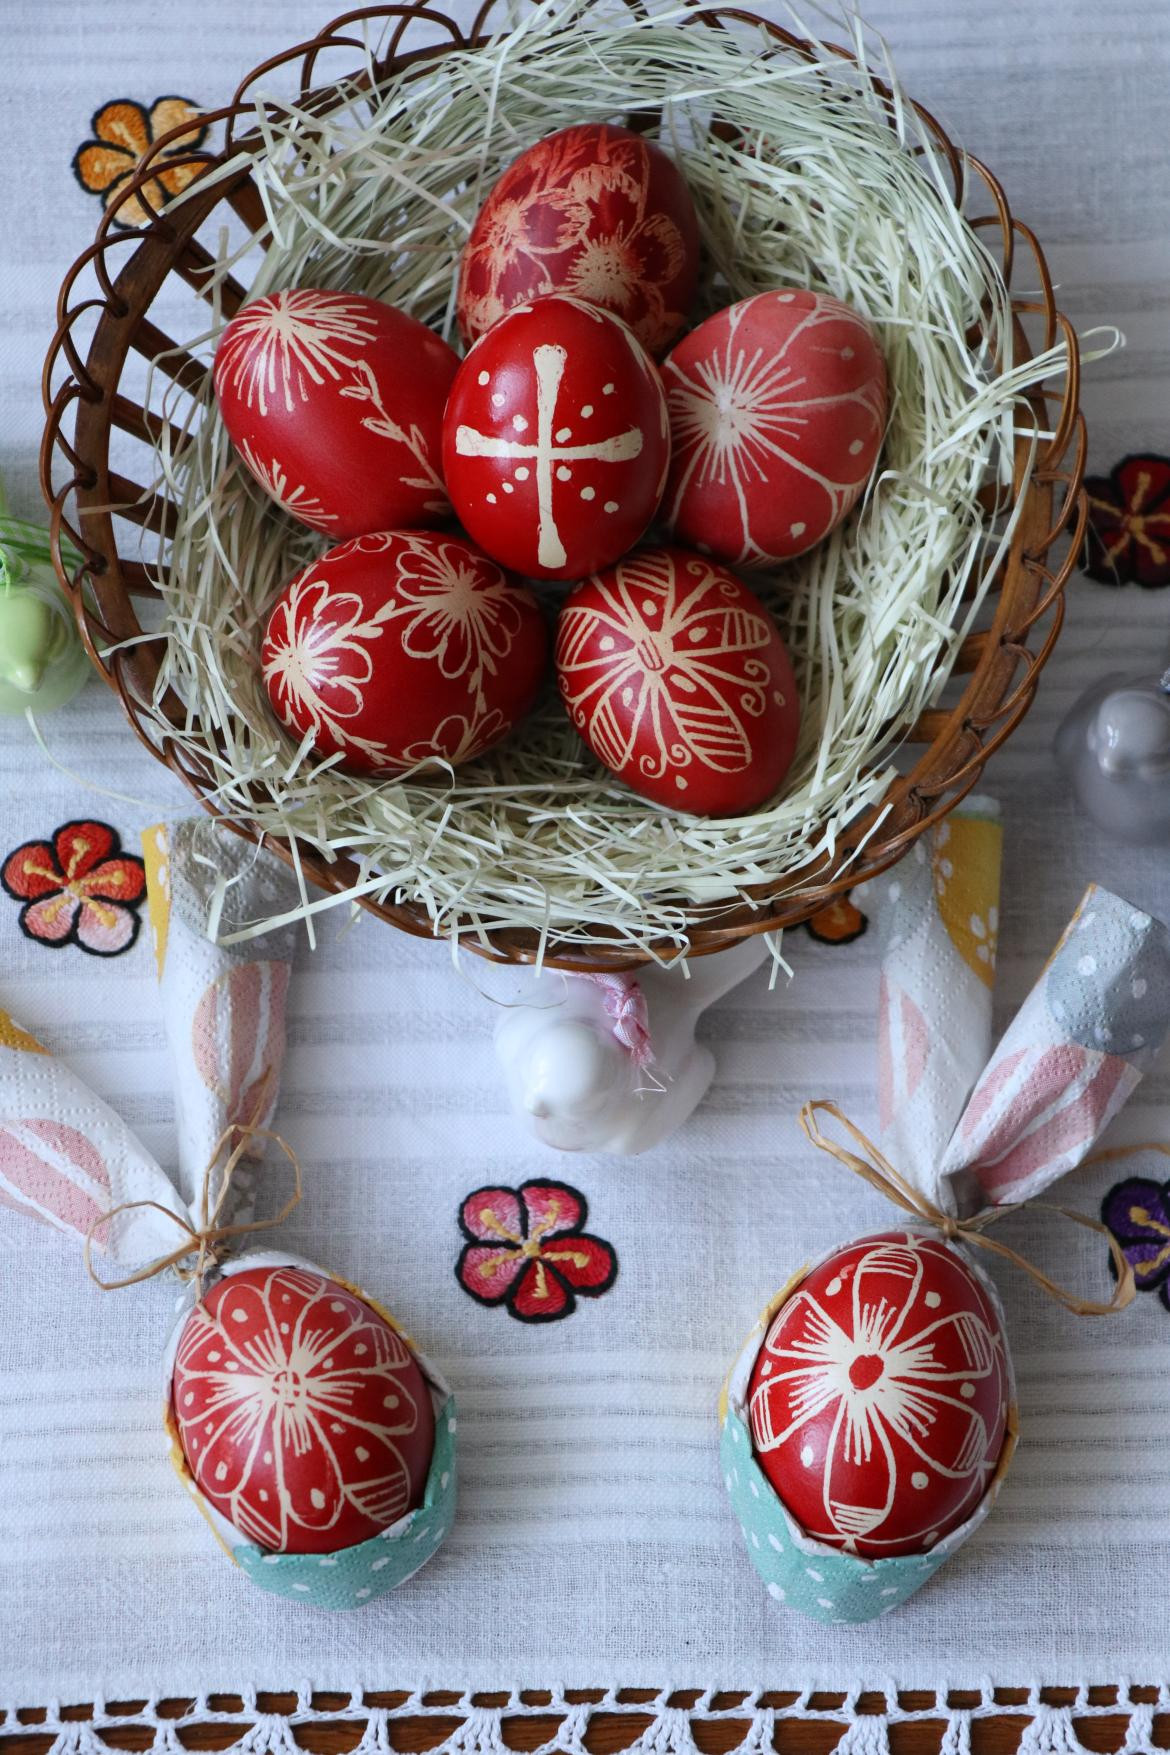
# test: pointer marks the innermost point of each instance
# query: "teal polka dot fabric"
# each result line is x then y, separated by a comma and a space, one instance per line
828, 1586
355, 1576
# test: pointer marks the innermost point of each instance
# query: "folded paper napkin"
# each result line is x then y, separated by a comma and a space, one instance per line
223, 1007
66, 1158
971, 1128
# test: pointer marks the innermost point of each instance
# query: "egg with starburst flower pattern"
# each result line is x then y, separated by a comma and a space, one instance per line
879, 1400
303, 1416
335, 404
777, 414
676, 677
403, 648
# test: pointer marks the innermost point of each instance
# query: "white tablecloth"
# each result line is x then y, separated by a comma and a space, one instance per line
594, 1545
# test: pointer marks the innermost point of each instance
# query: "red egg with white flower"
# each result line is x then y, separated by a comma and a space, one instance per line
335, 404
677, 678
594, 211
302, 1414
777, 414
400, 648
555, 442
878, 1402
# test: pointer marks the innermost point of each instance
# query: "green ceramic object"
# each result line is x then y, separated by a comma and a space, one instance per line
42, 661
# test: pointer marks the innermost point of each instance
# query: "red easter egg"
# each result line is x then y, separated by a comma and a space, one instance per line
555, 441
402, 647
676, 677
878, 1402
777, 412
303, 1416
596, 212
335, 404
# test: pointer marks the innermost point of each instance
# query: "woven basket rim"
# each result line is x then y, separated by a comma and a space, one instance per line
1003, 667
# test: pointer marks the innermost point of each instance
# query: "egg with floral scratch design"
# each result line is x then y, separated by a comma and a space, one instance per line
334, 403
598, 212
403, 648
878, 1402
303, 1416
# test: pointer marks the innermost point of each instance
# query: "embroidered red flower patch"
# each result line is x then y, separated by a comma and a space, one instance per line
1128, 538
78, 889
527, 1248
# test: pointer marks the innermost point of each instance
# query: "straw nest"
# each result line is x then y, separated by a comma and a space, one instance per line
814, 177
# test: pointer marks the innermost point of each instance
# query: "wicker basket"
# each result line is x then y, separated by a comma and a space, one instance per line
995, 673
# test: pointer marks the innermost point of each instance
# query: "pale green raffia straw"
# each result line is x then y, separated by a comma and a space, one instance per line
377, 196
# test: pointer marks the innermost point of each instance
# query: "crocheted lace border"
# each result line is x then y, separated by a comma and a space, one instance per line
1050, 1729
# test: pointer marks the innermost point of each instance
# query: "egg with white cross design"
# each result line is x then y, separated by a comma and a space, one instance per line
555, 440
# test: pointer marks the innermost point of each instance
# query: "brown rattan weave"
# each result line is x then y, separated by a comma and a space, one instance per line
104, 316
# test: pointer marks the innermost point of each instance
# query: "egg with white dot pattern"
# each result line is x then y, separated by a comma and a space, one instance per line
555, 441
303, 1416
777, 414
878, 1402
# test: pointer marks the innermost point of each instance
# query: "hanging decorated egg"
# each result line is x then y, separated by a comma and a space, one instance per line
335, 404
555, 442
777, 413
594, 211
303, 1416
676, 677
403, 647
878, 1402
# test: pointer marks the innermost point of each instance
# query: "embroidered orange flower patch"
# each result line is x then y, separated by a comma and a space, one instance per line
80, 889
839, 922
123, 130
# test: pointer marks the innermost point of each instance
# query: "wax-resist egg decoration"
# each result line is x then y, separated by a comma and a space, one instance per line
777, 414
678, 680
555, 443
878, 1402
335, 404
302, 1414
594, 211
403, 647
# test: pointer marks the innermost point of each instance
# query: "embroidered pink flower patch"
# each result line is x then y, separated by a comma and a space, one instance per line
527, 1249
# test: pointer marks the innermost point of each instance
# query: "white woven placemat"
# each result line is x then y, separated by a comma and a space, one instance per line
594, 1546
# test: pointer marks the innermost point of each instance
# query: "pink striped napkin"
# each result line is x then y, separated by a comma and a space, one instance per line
66, 1158
969, 1127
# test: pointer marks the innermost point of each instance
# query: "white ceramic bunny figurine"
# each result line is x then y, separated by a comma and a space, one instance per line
602, 1066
